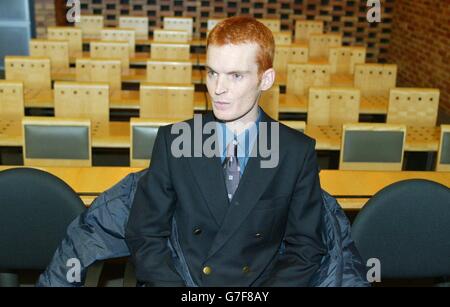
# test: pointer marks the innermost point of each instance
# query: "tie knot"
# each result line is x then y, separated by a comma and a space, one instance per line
232, 149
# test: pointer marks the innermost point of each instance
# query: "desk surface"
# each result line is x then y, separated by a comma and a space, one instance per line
352, 188
419, 139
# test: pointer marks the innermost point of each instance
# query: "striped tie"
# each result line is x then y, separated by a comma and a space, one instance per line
231, 169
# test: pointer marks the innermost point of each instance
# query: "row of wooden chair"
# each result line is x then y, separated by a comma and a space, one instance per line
91, 26
326, 105
374, 80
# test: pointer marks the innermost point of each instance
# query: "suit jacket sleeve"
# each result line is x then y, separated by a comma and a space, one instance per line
149, 224
303, 244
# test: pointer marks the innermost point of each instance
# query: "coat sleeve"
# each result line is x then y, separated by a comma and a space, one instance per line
149, 225
97, 234
303, 244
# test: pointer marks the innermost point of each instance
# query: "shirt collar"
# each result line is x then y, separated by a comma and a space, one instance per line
245, 139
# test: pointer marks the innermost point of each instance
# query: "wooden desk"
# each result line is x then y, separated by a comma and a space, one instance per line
133, 76
118, 100
418, 139
351, 193
104, 135
140, 58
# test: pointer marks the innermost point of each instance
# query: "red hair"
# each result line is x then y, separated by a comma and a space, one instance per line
240, 30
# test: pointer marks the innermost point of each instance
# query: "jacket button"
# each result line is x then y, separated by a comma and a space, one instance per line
207, 270
258, 235
197, 231
246, 269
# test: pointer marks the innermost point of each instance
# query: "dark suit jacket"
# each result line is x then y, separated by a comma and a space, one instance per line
238, 241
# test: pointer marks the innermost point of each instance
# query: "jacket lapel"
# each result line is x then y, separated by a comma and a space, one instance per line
251, 187
209, 175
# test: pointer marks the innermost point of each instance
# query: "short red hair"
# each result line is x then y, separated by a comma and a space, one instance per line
240, 30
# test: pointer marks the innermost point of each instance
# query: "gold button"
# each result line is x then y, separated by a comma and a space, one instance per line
246, 269
207, 270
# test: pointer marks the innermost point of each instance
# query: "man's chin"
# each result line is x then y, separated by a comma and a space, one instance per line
222, 116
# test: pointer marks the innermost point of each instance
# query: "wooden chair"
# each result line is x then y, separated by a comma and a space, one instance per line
294, 54
179, 23
166, 101
11, 100
34, 72
82, 100
120, 35
170, 51
300, 77
303, 76
304, 29
138, 24
417, 108
282, 38
269, 101
320, 44
109, 71
443, 157
56, 51
91, 26
342, 61
143, 135
333, 106
70, 34
169, 72
49, 141
170, 36
413, 106
112, 50
100, 70
375, 81
273, 24
372, 146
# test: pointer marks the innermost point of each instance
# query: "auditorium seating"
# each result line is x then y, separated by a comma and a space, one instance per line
57, 51
342, 61
138, 24
11, 101
112, 50
333, 106
320, 44
304, 29
121, 35
170, 36
70, 34
90, 25
166, 101
375, 82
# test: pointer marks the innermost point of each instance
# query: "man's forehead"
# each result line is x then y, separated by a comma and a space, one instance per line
232, 56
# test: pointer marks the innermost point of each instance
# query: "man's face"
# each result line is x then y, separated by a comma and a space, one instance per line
232, 81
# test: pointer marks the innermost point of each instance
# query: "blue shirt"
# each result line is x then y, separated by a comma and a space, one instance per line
246, 139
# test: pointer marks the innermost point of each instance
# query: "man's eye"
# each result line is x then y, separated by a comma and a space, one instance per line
212, 73
237, 76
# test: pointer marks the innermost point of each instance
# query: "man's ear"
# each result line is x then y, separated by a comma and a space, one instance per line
267, 79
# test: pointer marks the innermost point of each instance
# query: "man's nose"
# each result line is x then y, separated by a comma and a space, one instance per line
221, 85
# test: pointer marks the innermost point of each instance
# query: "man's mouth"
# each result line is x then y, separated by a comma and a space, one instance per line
221, 104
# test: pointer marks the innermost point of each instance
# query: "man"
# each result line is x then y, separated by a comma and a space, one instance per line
237, 221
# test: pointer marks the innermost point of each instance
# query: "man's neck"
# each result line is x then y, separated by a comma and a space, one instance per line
240, 125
